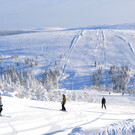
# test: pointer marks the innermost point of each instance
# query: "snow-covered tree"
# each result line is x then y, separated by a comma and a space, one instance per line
120, 77
50, 79
97, 77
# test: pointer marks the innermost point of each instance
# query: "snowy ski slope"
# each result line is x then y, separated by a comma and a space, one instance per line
75, 50
29, 117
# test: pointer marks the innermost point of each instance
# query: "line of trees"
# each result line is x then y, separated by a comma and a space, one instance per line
23, 84
119, 76
27, 85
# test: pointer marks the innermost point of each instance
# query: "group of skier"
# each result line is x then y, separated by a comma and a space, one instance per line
103, 101
63, 103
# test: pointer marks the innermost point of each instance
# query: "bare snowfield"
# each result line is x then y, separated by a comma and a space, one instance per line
30, 117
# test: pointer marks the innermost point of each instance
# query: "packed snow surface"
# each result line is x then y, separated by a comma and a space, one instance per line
30, 117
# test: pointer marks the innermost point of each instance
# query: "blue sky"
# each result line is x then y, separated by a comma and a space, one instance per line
27, 14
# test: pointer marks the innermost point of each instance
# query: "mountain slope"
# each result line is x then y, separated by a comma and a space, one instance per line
74, 50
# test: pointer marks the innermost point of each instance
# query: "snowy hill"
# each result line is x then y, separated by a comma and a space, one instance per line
125, 26
73, 58
29, 117
75, 51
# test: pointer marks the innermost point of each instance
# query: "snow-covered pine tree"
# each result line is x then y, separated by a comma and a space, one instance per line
97, 77
120, 77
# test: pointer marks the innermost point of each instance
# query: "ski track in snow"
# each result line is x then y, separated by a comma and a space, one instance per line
100, 49
104, 47
74, 128
71, 48
128, 43
14, 132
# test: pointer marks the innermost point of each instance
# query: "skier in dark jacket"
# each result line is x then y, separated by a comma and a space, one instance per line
0, 105
103, 102
63, 103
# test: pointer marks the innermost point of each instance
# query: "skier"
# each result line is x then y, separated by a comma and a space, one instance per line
63, 103
103, 102
0, 105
